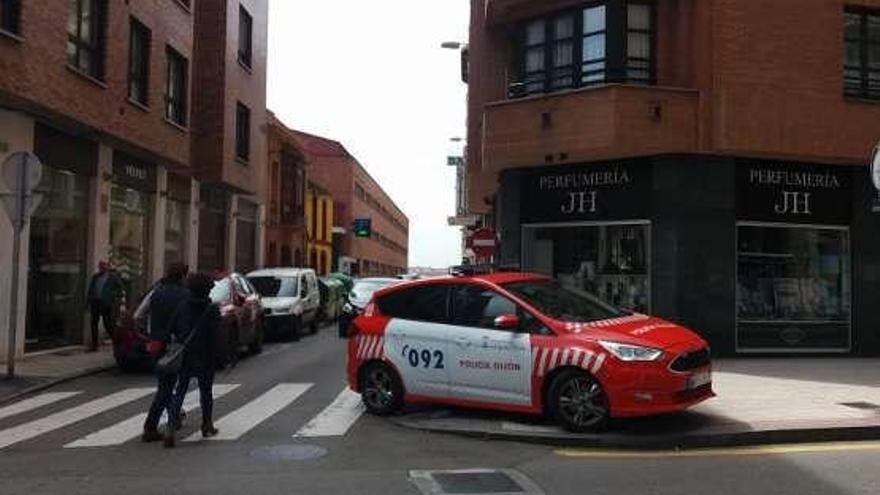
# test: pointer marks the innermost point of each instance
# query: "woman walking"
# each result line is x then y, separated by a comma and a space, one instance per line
196, 322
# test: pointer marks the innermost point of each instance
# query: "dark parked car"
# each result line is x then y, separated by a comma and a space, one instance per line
241, 325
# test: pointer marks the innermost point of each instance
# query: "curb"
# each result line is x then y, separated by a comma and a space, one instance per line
662, 442
56, 381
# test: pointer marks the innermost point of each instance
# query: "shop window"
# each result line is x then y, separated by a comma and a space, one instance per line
139, 62
176, 88
245, 37
861, 66
609, 261
129, 238
611, 41
793, 288
242, 132
86, 37
175, 231
10, 16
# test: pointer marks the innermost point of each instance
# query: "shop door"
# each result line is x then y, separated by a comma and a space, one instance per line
57, 262
129, 239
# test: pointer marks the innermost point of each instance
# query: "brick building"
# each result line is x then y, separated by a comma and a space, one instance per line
357, 196
111, 97
704, 160
286, 198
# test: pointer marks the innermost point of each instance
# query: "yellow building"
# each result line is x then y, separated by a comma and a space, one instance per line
319, 228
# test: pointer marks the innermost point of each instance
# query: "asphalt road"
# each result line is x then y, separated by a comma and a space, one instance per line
80, 444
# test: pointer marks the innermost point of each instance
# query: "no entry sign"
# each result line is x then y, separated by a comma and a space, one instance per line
484, 242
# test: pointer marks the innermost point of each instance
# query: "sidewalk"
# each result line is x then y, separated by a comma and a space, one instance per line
759, 401
43, 370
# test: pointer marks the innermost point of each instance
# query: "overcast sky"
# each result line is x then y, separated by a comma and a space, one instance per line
372, 76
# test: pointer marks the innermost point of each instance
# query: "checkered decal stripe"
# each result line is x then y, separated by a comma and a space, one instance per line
370, 347
579, 327
545, 360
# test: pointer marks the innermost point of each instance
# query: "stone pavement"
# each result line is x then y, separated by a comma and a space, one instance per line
42, 370
759, 401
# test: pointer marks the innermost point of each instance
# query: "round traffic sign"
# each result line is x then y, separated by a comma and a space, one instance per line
11, 170
484, 242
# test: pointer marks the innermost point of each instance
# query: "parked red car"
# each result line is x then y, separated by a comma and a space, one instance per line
241, 325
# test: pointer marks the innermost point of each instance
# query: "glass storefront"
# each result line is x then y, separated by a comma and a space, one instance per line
175, 225
793, 288
608, 260
246, 237
129, 238
212, 228
57, 270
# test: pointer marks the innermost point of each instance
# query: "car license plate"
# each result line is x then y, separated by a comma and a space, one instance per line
699, 379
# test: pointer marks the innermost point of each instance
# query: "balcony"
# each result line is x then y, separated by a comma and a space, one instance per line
596, 123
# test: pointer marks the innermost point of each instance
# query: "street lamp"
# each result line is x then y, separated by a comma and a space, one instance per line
452, 45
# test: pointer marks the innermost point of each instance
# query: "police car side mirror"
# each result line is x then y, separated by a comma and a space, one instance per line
507, 322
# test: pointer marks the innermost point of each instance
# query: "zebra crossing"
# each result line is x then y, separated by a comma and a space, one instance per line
335, 420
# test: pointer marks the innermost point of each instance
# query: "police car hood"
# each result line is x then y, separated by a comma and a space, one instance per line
639, 330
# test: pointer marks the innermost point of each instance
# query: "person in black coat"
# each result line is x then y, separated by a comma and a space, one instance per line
106, 291
160, 306
197, 321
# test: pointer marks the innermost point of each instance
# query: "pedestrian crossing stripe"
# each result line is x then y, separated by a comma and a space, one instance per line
333, 421
242, 420
337, 418
68, 417
133, 427
35, 403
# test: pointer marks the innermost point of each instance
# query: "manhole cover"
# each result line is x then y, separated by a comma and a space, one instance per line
474, 482
870, 406
284, 453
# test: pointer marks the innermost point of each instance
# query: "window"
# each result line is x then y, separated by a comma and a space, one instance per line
477, 306
10, 16
175, 91
861, 67
242, 132
85, 36
424, 303
139, 62
245, 37
589, 45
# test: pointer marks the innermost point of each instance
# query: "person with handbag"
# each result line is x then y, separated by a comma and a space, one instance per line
160, 306
195, 326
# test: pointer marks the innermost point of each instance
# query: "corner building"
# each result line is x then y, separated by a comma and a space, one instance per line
702, 160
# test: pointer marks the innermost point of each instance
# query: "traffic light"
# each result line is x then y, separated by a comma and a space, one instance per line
362, 227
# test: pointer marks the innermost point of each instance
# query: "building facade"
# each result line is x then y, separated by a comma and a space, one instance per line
702, 160
229, 150
319, 220
286, 198
104, 94
356, 195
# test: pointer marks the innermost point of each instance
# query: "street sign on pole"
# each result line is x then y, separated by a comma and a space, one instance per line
21, 172
484, 242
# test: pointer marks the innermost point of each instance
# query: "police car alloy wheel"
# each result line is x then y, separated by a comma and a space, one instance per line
381, 389
578, 402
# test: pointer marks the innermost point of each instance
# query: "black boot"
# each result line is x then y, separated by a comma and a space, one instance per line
151, 436
208, 430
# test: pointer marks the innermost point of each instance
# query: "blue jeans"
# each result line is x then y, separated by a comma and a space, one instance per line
205, 379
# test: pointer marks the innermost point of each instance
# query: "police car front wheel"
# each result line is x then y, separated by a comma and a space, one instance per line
381, 389
577, 401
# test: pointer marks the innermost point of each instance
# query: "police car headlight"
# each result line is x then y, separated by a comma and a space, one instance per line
629, 352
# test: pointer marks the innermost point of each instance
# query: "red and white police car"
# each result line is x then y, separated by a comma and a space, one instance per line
522, 342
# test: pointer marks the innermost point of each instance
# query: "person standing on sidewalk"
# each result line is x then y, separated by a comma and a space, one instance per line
104, 296
196, 322
164, 300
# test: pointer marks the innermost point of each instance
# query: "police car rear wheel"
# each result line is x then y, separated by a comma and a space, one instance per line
578, 402
381, 389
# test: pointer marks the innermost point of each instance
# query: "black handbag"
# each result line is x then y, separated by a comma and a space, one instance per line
172, 361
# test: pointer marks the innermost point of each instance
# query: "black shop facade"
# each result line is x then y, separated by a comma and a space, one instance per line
761, 257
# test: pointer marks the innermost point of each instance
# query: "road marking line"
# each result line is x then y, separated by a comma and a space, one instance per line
68, 417
722, 452
132, 427
238, 422
34, 403
335, 419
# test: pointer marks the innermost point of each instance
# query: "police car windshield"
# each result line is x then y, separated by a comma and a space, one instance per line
274, 286
562, 303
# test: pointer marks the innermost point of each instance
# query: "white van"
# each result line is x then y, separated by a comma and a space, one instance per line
290, 300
